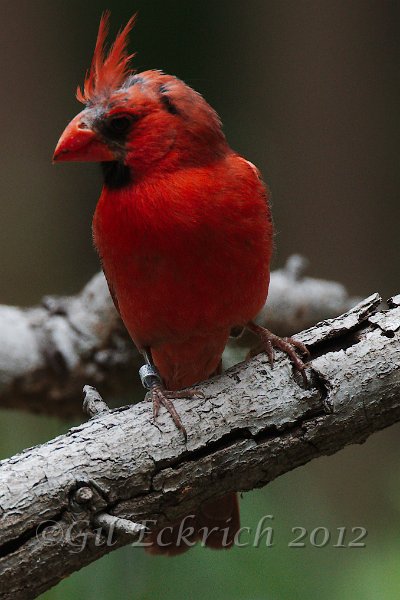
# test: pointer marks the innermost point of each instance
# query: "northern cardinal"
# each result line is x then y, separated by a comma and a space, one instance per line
183, 230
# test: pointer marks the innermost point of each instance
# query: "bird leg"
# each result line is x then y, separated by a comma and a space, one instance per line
152, 381
287, 344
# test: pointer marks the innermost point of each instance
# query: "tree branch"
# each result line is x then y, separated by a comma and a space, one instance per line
48, 353
253, 425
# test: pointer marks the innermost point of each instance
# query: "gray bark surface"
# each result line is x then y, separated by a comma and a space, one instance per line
254, 424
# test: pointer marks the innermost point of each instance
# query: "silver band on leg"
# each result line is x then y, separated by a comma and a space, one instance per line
149, 376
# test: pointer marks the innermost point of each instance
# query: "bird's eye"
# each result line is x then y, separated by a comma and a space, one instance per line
119, 125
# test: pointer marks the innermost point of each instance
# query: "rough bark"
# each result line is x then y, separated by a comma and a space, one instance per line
253, 425
48, 353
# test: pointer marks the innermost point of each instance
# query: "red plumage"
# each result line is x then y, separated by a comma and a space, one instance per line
107, 71
193, 252
182, 226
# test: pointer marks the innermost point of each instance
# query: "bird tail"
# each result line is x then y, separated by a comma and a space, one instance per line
214, 525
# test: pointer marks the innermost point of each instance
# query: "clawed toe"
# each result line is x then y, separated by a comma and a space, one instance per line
162, 397
287, 345
302, 347
189, 393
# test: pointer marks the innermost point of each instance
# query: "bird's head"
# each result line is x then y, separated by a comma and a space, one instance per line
133, 122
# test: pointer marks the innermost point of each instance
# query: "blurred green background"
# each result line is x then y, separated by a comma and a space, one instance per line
308, 91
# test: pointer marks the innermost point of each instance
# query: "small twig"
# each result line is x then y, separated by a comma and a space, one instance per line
86, 499
296, 266
113, 524
93, 403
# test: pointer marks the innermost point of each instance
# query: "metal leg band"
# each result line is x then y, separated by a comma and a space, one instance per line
149, 376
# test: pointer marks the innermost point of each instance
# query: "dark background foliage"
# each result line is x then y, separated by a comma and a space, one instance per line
309, 91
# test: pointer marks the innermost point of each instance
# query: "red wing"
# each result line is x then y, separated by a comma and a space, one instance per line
112, 292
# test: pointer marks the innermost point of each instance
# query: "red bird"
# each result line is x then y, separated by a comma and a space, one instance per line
182, 227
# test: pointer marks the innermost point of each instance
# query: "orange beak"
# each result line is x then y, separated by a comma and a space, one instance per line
80, 143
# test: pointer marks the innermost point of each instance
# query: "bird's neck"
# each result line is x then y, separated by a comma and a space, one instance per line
116, 175
123, 174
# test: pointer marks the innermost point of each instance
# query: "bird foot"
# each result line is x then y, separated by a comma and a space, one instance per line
287, 344
162, 397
